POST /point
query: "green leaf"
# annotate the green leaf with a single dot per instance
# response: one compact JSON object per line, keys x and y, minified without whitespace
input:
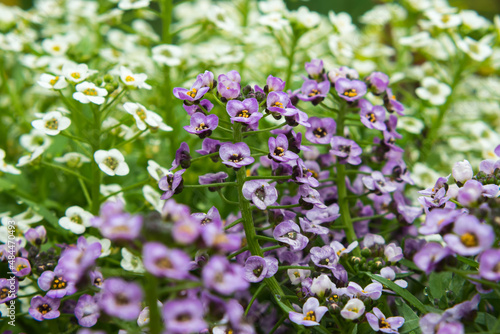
{"x":486,"y":319}
{"x":467,"y":261}
{"x":411,"y":299}
{"x":409,"y":264}
{"x":411,"y":318}
{"x":44,"y":212}
{"x":439,"y":283}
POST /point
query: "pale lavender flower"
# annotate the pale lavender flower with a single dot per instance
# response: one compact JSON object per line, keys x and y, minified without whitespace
{"x":470,"y":236}
{"x":182,"y":157}
{"x":229,"y":85}
{"x":171,"y":184}
{"x":313,"y":227}
{"x":313,"y":91}
{"x":378,"y":322}
{"x":121,"y":299}
{"x":350,"y":90}
{"x":196,"y":92}
{"x":378,"y":183}
{"x":289,"y":233}
{"x":346,"y":150}
{"x":372,"y":291}
{"x":391,"y":104}
{"x":278,"y":149}
{"x":378,"y":82}
{"x":211,"y":178}
{"x":311,"y":313}
{"x":164,"y":262}
{"x":87,"y":311}
{"x":261,"y":193}
{"x":274,"y":84}
{"x":437,"y":220}
{"x":324,"y":257}
{"x":277,"y":102}
{"x":372,"y":117}
{"x":204,"y":107}
{"x":430,"y":256}
{"x":354,"y":309}
{"x":315,"y":69}
{"x":184,"y":316}
{"x":258,"y":268}
{"x":44,"y":308}
{"x":235,"y":155}
{"x":393,"y":253}
{"x":36,"y":236}
{"x":224,"y":277}
{"x":22,"y":267}
{"x":489,"y":265}
{"x":246,"y":111}
{"x":321,"y":130}
{"x":55,"y":283}
{"x":6,"y":294}
{"x":202,"y":125}
{"x":209,"y":146}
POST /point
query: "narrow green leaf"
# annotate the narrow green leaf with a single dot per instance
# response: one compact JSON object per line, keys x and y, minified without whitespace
{"x":409,"y":264}
{"x":439,"y":283}
{"x":403,"y":293}
{"x":411,"y":318}
{"x":467,"y":261}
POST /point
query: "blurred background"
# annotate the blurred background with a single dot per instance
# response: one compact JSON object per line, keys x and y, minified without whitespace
{"x":487,"y":8}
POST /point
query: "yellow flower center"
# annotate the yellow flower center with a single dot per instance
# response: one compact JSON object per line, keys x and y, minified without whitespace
{"x":58,"y":283}
{"x":111,"y":162}
{"x":278,"y":104}
{"x":350,"y":92}
{"x":243,"y":113}
{"x":129,"y":78}
{"x":313,"y":92}
{"x":310,"y":316}
{"x":469,"y":240}
{"x":371,"y":117}
{"x":75,"y":75}
{"x":52,"y":124}
{"x":192,"y":92}
{"x":90,"y":91}
{"x":44,"y":309}
{"x":141,"y":113}
{"x":54,"y":81}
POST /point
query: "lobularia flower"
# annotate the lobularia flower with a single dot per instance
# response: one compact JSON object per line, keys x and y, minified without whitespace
{"x":235,"y":155}
{"x":372,"y":291}
{"x":347,"y":150}
{"x":313,"y":91}
{"x":433,"y":91}
{"x":87,"y":311}
{"x":353,"y":309}
{"x":289,"y":233}
{"x":36,"y":236}
{"x":210,"y":178}
{"x":184,"y":316}
{"x":52,"y":81}
{"x":205,"y":107}
{"x":121,"y":299}
{"x":322,"y":285}
{"x":342,"y":72}
{"x":87,"y":92}
{"x":6,"y":294}
{"x":164,"y":262}
{"x":324,"y":257}
{"x":156,"y":171}
{"x":278,"y":149}
{"x":379,"y":323}
{"x":22,"y":267}
{"x":393,"y":105}
{"x":167,"y":54}
{"x":261,"y":193}
{"x":111,"y":162}
{"x":277,"y":102}
{"x":44,"y":308}
{"x":462,"y":171}
{"x":470,"y":236}
{"x":209,"y":146}
{"x":171,"y":184}
{"x":7,"y":168}
{"x":76,"y":219}
{"x":473,"y":190}
{"x":340,"y":249}
{"x":75,"y":261}
{"x":246,"y":111}
{"x":430,"y":256}
{"x":378,"y":183}
{"x":73,"y":159}
{"x":56,"y":46}
{"x":489,"y":265}
{"x":315,"y":69}
{"x":131,"y":262}
{"x":144,"y":117}
{"x":378,"y":82}
{"x":372,"y":117}
{"x":477,"y":50}
{"x":350,"y":90}
{"x":55,"y":283}
{"x":137,"y":80}
{"x":202,"y":125}
{"x":133,"y":4}
{"x":298,"y":275}
{"x":76,"y":72}
{"x":393,"y":253}
{"x":390,"y":274}
{"x":115,"y":224}
{"x":224,"y":277}
{"x":52,"y":123}
{"x":311,"y":314}
{"x":257,"y":268}
{"x":182,"y":157}
{"x":229,"y":85}
{"x":443,"y":20}
{"x":275,"y":84}
{"x":321,"y":130}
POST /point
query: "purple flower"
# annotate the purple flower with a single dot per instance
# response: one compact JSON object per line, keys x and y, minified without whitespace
{"x":261,"y":193}
{"x":202,"y":125}
{"x":278,"y":149}
{"x":327,"y":215}
{"x":372,"y":291}
{"x":216,"y":237}
{"x":164,"y":262}
{"x":470,"y":236}
{"x":122,"y":227}
{"x":22,"y":267}
{"x":341,"y":250}
{"x":171,"y":184}
{"x":489,"y":265}
{"x":195,"y":93}
{"x":235,"y":155}
{"x":342,"y":72}
{"x":313,"y":227}
{"x":350,"y":90}
{"x":437,"y":219}
{"x":8,"y":289}
{"x":430,"y":256}
{"x":310,"y":196}
{"x":321,"y":130}
{"x":87,"y":311}
{"x":182,"y":157}
{"x":304,"y":175}
{"x":471,"y":192}
{"x":209,"y":146}
{"x":391,"y":104}
{"x":184,"y":316}
{"x":246,"y":111}
{"x":55,"y":283}
{"x":294,"y":117}
{"x":36,"y":236}
{"x":75,"y":261}
{"x":277,"y":102}
{"x":258,"y":268}
{"x":393,"y":253}
{"x":372,"y":117}
{"x":204,"y":107}
{"x":377,"y":183}
{"x":44,"y":308}
{"x":324,"y":257}
{"x":210,"y":178}
{"x":229,"y":85}
{"x":311,"y":313}
{"x":378,"y":82}
{"x":275,"y":84}
{"x":378,"y":322}
{"x":121,"y":299}
{"x":313,"y":91}
{"x":96,"y":278}
{"x":289,"y":233}
{"x":315,"y":69}
{"x":347,"y":150}
{"x":224,"y":277}
{"x":211,"y":216}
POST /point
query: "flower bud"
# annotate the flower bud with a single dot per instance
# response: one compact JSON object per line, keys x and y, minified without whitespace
{"x":462,"y":171}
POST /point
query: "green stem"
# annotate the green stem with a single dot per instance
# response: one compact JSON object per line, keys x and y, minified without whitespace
{"x":205,"y":156}
{"x":210,"y":185}
{"x":225,"y":199}
{"x":259,"y":289}
{"x":291,"y":56}
{"x":269,"y":177}
{"x":264,"y":238}
{"x":133,"y":186}
{"x":67,"y":170}
{"x":358,"y":219}
{"x":152,"y":302}
{"x":284,"y":206}
{"x":236,"y":222}
{"x":131,"y":139}
{"x":96,"y":172}
{"x":266,"y":249}
{"x":85,"y":192}
{"x":249,"y":133}
{"x":295,"y":267}
{"x":343,"y":201}
{"x":238,"y":252}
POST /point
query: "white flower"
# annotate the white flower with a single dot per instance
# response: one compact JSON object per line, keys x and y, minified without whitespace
{"x":390,"y":274}
{"x":153,"y":197}
{"x":6,"y":168}
{"x":87,"y":92}
{"x":434,"y":91}
{"x":57,"y":46}
{"x":135,"y":80}
{"x":462,"y":171}
{"x":342,"y":22}
{"x":76,"y":219}
{"x":111,"y":162}
{"x":443,"y":20}
{"x":52,"y":123}
{"x":167,"y":54}
{"x":25,"y":219}
{"x":477,"y":50}
{"x":306,"y":17}
{"x":108,"y":189}
{"x":156,"y":171}
{"x":105,"y":245}
{"x":321,"y":284}
{"x":298,"y":275}
{"x":340,"y":47}
{"x":130,"y":262}
{"x":27,"y":159}
{"x":272,"y":6}
{"x":76,"y":72}
{"x":52,"y":82}
{"x":133,"y":4}
{"x":411,"y":124}
{"x":145,"y":118}
{"x":273,"y":20}
{"x":35,"y":139}
{"x":474,"y":21}
{"x":73,"y":159}
{"x":418,"y":40}
{"x":353,"y":309}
